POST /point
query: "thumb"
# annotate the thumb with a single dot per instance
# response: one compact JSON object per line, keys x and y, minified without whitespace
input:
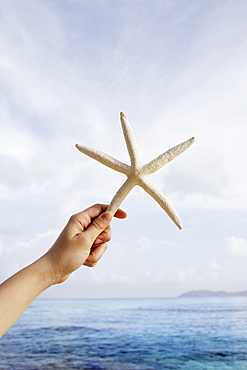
{"x":99,"y":225}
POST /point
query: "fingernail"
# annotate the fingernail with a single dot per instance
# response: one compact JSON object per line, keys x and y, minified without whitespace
{"x":99,"y":241}
{"x":106,"y":216}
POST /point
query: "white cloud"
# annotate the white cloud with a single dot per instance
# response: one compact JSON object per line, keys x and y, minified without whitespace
{"x":214,"y":265}
{"x":17,"y":144}
{"x":237,"y":247}
{"x":145,"y":244}
{"x":24,"y":251}
{"x":66,"y":82}
{"x":186,"y":275}
{"x":1,"y":247}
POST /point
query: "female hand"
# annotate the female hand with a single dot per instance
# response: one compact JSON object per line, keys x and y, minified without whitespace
{"x":82,"y":241}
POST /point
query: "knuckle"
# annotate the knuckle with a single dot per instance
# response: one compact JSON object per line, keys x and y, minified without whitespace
{"x":92,"y":263}
{"x":89,"y":263}
{"x":73,"y":218}
{"x":97,"y":224}
{"x":108,"y":237}
{"x":108,"y":233}
{"x":97,"y":206}
{"x":100,"y":207}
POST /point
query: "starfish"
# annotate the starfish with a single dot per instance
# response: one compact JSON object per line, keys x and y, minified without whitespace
{"x":136,"y":172}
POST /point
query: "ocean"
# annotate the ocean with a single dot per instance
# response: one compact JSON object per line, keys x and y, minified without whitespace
{"x":129,"y":334}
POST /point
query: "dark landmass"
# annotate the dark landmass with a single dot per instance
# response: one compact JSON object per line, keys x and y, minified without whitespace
{"x":210,"y":293}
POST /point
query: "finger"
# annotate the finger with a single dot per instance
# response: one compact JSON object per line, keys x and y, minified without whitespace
{"x":98,"y":226}
{"x":95,"y":255}
{"x":80,"y":221}
{"x":120,"y":214}
{"x":97,"y":209}
{"x":104,"y":237}
{"x":91,"y":213}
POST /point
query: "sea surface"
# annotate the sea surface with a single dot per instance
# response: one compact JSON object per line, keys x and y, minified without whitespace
{"x":129,"y":334}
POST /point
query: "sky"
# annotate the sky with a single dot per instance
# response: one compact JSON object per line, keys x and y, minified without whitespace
{"x":177,"y":69}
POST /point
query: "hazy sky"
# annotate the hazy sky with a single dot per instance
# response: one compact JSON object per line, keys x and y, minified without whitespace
{"x":177,"y":69}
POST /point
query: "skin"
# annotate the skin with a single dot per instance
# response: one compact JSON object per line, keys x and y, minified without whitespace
{"x":83,"y":241}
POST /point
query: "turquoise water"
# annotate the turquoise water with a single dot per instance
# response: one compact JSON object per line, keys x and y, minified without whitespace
{"x":126,"y":334}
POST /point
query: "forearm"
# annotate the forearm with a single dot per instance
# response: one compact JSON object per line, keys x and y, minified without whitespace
{"x":83,"y":241}
{"x":19,"y":291}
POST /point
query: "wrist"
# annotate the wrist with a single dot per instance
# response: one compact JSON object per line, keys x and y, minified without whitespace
{"x":45,"y":269}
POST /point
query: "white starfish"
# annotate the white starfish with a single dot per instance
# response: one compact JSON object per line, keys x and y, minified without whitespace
{"x":136,"y":173}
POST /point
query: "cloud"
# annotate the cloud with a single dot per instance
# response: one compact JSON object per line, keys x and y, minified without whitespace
{"x":186,"y":275}
{"x":24,"y":251}
{"x":237,"y":247}
{"x":18,"y":144}
{"x":145,"y":244}
{"x":1,"y":247}
{"x":214,"y":265}
{"x":177,"y":70}
{"x":199,"y":173}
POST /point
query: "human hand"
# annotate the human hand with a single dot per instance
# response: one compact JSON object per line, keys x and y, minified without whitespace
{"x":83,"y":241}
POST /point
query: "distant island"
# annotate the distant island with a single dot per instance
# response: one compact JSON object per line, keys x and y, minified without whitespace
{"x":210,"y":293}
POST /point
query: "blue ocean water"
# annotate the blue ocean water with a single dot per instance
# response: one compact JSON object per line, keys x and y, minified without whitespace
{"x":129,"y":334}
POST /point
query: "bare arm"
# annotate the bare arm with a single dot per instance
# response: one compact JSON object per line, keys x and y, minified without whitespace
{"x":82,"y":241}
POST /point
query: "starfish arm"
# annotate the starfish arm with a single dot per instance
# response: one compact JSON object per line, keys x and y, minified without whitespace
{"x":162,"y":200}
{"x":120,"y":195}
{"x":105,"y":159}
{"x":130,"y":141}
{"x":166,"y":157}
